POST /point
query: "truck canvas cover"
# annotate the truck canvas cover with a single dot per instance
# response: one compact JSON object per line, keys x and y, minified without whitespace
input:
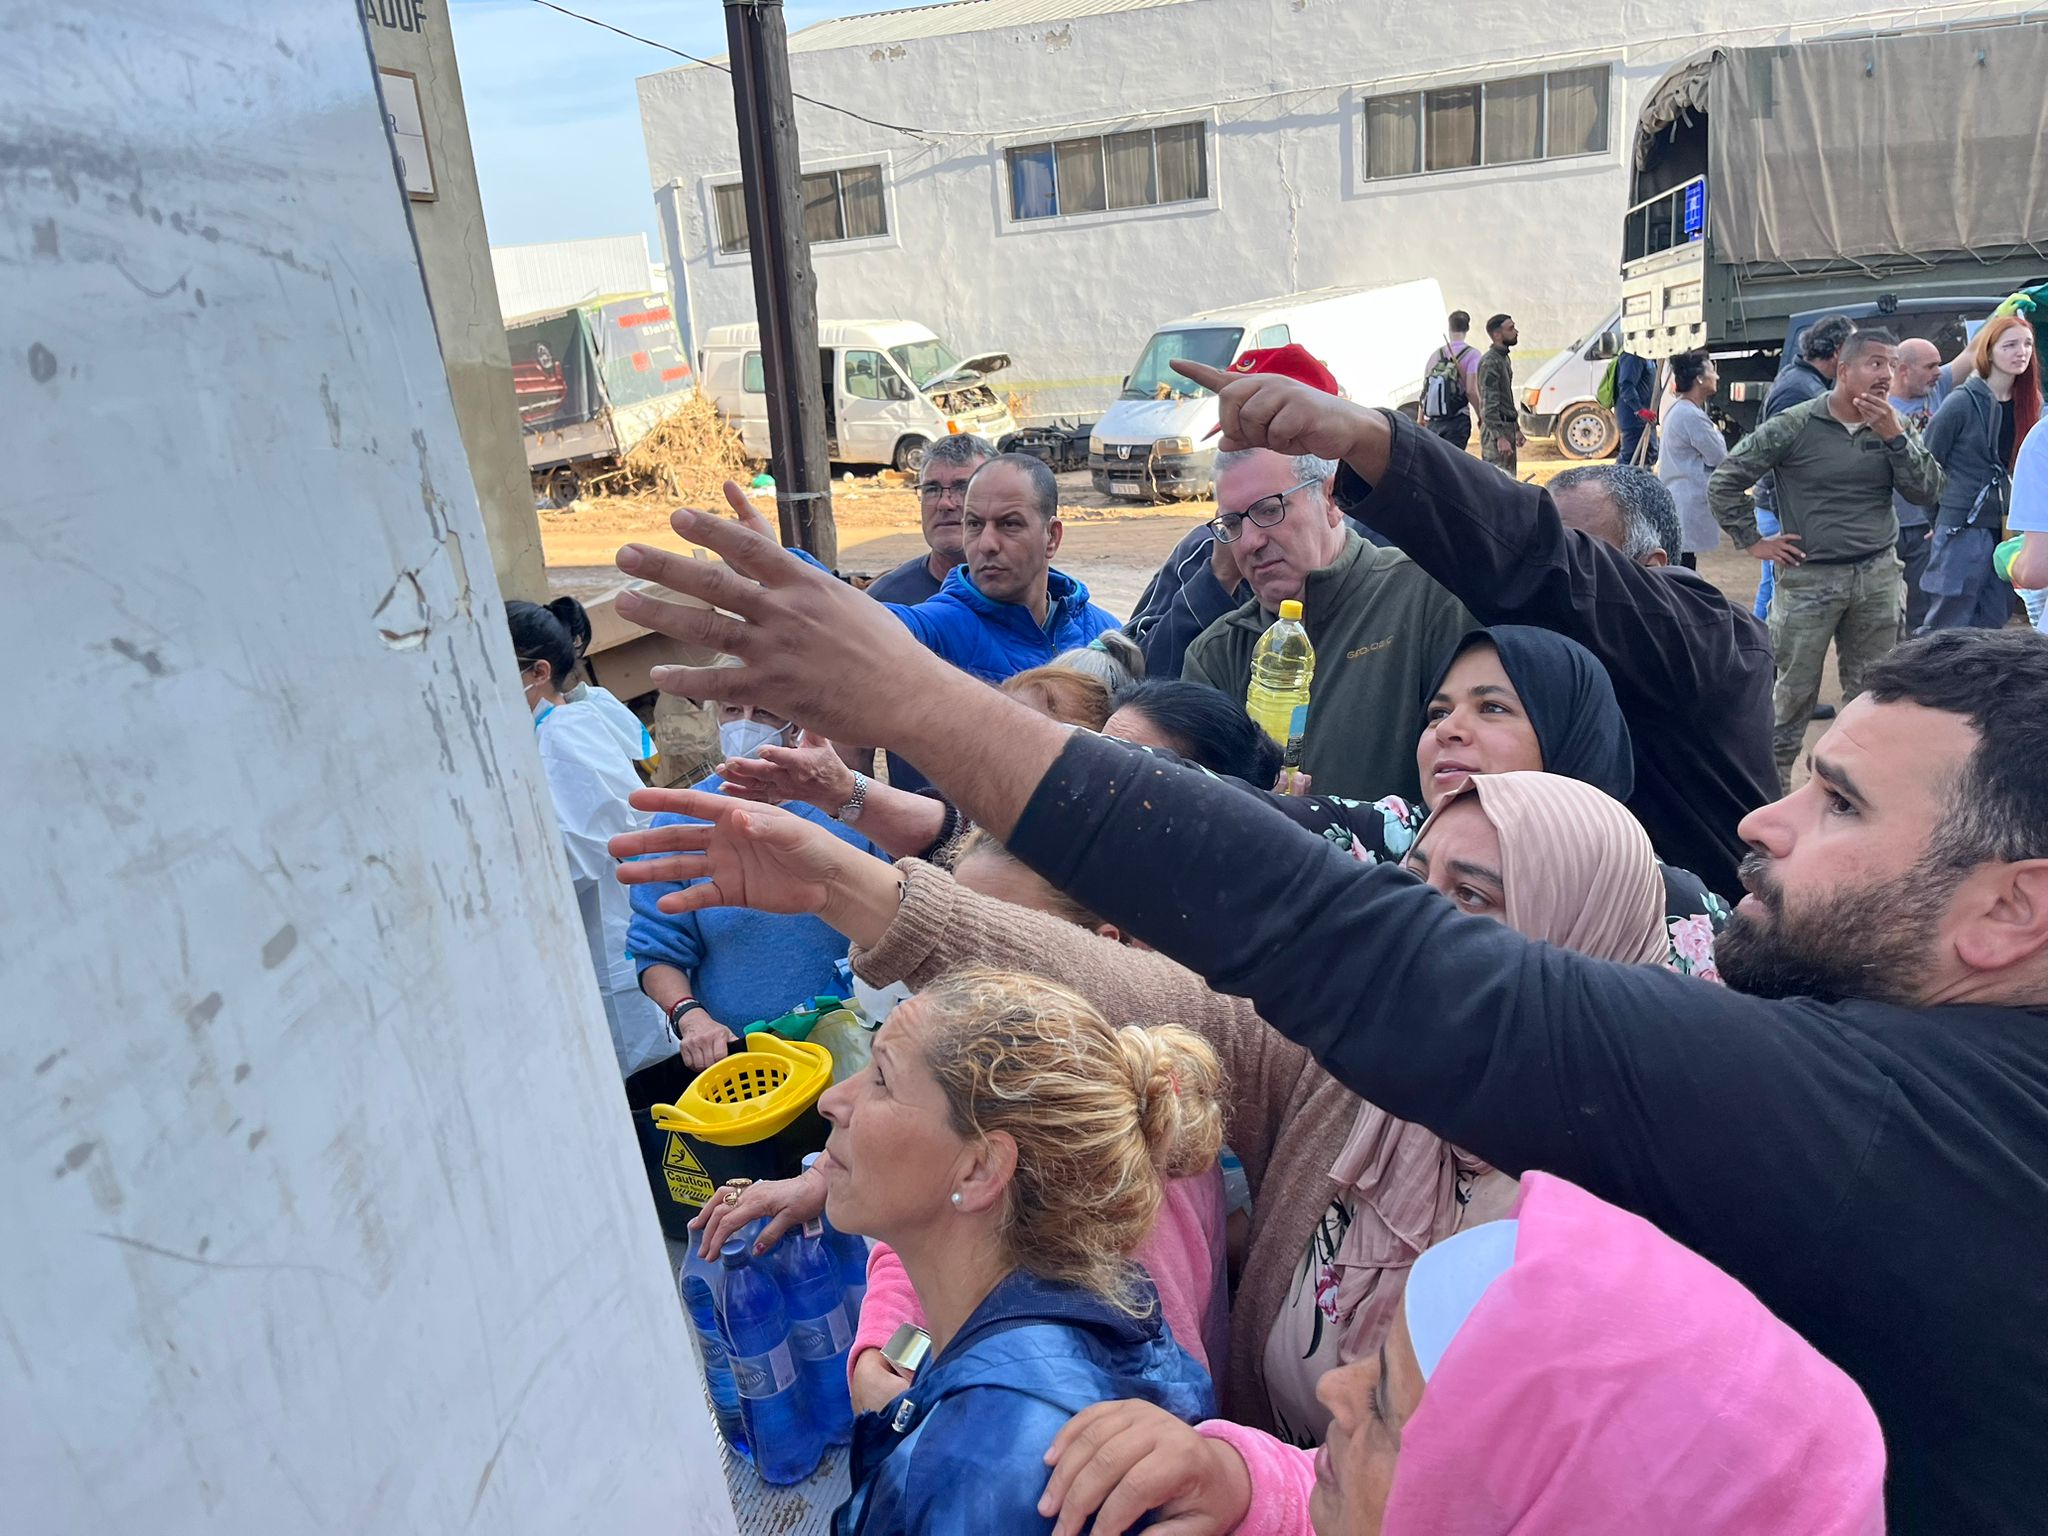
{"x":1917,"y":143}
{"x":617,"y":355}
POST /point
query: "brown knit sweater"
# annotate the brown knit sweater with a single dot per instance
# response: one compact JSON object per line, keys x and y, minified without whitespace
{"x":1287,"y":1118}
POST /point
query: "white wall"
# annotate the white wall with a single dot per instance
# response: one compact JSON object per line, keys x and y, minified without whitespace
{"x":320,"y":1205}
{"x":1073,"y":299}
{"x":558,"y":273}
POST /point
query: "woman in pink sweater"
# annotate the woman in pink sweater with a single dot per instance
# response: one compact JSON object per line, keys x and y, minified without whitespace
{"x":1567,"y":1372}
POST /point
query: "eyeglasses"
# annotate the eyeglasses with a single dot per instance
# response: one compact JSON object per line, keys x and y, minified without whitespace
{"x":936,"y":490}
{"x":1263,"y":513}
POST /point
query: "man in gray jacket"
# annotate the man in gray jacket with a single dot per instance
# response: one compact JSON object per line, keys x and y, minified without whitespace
{"x":1837,"y":460}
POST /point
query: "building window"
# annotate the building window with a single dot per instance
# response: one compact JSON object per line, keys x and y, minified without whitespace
{"x":731,"y":203}
{"x":837,"y":205}
{"x":1494,"y":122}
{"x":1142,"y":169}
{"x":1393,"y":136}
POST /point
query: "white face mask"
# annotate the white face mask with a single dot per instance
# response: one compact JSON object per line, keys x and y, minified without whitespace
{"x":745,"y":738}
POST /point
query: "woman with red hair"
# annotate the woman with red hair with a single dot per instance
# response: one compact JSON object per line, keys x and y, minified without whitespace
{"x":1975,"y":437}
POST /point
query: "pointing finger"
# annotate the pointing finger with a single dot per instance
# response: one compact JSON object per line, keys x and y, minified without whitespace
{"x":1211,"y":379}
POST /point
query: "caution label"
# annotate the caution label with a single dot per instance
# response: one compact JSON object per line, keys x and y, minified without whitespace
{"x":688,"y":1183}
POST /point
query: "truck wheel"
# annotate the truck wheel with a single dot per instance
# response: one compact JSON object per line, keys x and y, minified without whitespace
{"x":564,"y":486}
{"x":1587,"y":431}
{"x":910,"y":454}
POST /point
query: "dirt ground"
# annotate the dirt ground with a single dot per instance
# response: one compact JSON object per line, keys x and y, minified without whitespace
{"x":1114,"y":547}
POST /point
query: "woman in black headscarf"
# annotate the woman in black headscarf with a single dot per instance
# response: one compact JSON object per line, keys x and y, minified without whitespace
{"x":1508,"y":699}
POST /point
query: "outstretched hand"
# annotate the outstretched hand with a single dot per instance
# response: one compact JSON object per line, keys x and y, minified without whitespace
{"x":811,"y":647}
{"x":810,"y":771}
{"x":756,"y":856}
{"x":1269,"y":410}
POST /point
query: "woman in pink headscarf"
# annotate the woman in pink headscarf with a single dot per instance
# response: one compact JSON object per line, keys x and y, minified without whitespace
{"x":1552,"y":858}
{"x":1567,"y":1372}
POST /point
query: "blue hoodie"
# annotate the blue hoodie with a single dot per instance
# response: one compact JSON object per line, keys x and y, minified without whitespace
{"x":996,"y":641}
{"x":742,"y":965}
{"x":962,"y":1452}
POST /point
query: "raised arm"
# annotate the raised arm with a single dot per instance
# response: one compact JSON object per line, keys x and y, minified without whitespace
{"x":1641,"y":1085}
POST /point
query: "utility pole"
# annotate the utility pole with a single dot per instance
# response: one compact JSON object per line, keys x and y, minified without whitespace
{"x":785,"y":283}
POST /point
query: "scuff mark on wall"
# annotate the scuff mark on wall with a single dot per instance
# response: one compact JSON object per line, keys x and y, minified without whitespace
{"x":1059,"y":38}
{"x":149,"y":661}
{"x":401,"y":618}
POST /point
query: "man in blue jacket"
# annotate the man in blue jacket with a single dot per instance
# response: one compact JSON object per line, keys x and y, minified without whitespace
{"x":1006,"y":609}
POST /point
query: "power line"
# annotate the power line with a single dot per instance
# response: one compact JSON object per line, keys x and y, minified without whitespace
{"x":922,"y":135}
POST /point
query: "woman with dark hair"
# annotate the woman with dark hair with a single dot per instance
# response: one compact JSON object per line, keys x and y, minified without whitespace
{"x":1693,"y":446}
{"x":590,"y":775}
{"x":1975,"y":437}
{"x":1195,"y":721}
{"x":1514,"y":699}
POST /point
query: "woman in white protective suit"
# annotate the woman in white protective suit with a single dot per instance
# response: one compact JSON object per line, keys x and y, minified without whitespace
{"x":588,"y":757}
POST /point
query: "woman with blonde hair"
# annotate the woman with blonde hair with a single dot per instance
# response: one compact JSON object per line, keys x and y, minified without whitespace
{"x":1345,"y":1197}
{"x":1011,"y":1146}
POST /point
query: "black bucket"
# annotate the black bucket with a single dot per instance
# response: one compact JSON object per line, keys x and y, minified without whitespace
{"x":682,"y":1170}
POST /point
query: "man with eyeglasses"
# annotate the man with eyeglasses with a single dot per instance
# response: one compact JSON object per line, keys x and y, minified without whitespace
{"x":1381,"y":627}
{"x":1200,"y":582}
{"x":941,"y":493}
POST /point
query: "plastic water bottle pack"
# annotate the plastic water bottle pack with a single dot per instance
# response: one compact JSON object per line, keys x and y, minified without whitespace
{"x":820,"y":1331}
{"x":780,"y":1428}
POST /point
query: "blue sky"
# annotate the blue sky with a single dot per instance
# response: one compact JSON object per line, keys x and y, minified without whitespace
{"x":553,"y":115}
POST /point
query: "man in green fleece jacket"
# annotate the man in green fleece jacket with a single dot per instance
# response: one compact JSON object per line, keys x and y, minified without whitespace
{"x":1837,"y":460}
{"x":1381,"y":627}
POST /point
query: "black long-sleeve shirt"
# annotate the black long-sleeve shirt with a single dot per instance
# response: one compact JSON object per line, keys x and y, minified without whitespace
{"x":1877,"y":1175}
{"x":1692,"y":671}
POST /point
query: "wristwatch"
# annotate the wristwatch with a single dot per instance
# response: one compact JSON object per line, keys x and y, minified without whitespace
{"x":682,"y":1007}
{"x":1893,"y":442}
{"x":857,"y":802}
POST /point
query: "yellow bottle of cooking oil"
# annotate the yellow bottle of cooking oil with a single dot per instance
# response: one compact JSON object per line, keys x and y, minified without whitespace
{"x":1283,"y":667}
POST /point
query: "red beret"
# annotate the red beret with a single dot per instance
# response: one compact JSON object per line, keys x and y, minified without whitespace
{"x":1293,"y":361}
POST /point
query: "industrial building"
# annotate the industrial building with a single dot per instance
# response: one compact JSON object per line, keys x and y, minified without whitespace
{"x":1053,"y":178}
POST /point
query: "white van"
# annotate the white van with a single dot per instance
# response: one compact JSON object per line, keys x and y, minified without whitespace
{"x":1560,"y":402}
{"x":891,"y":388}
{"x":1153,"y":443}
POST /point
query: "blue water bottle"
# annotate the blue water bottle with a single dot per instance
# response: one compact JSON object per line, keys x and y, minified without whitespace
{"x":850,"y":1253}
{"x":779,"y":1431}
{"x":702,"y":1284}
{"x":819,"y":1332}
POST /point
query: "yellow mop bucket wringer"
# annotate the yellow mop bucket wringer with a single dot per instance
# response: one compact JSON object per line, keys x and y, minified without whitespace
{"x":753,"y":1115}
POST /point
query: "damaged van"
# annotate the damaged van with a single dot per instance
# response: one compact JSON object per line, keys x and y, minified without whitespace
{"x":892,"y":388}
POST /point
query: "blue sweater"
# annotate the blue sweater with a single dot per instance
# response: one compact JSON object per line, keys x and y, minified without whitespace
{"x":743,"y":965}
{"x":962,"y":1453}
{"x":996,"y":640}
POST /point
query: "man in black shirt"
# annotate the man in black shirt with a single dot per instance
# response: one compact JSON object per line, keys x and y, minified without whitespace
{"x":1864,"y":1143}
{"x":1586,"y":558}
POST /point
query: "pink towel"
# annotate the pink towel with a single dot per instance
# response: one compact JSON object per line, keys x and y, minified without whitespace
{"x":1184,"y":1256}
